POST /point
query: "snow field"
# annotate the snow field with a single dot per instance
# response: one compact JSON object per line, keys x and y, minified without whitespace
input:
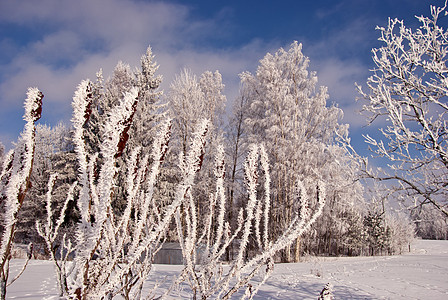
{"x":421,"y":274}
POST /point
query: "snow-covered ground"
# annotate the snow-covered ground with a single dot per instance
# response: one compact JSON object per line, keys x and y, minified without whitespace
{"x":421,"y":274}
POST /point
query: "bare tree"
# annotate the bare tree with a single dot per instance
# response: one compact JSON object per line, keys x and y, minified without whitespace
{"x":408,"y":94}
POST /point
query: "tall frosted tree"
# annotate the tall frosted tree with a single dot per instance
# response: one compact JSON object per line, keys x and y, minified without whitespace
{"x":106,"y":94}
{"x":190,"y":100}
{"x":290,"y":115}
{"x":149,"y":109}
{"x":236,"y":149}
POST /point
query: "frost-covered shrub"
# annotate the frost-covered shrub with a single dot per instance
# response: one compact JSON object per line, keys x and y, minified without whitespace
{"x":207,"y":275}
{"x":112,"y":254}
{"x":53,"y":153}
{"x":15,"y":181}
{"x":326,"y":293}
{"x":402,"y":232}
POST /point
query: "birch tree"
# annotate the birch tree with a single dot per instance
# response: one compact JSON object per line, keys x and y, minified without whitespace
{"x":290,"y":115}
{"x":407,"y":96}
{"x":235,"y":150}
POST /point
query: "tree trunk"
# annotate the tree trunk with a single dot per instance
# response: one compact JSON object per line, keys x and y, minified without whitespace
{"x":3,"y":289}
{"x":297,"y":256}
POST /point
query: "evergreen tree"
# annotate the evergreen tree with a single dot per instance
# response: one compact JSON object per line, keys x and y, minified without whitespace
{"x":377,"y":233}
{"x":51,"y":155}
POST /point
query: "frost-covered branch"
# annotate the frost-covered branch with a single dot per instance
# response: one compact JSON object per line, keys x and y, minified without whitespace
{"x":204,"y":268}
{"x":408,"y":89}
{"x":113,"y":254}
{"x":49,"y":232}
{"x":16,"y":180}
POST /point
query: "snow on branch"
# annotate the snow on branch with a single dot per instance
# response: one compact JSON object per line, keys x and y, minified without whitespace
{"x":114,"y":254}
{"x":203,"y":253}
{"x":408,"y":92}
{"x":16,"y":179}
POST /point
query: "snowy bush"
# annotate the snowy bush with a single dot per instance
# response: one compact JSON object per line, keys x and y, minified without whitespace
{"x":15,"y":181}
{"x":209,"y":277}
{"x":113,"y":253}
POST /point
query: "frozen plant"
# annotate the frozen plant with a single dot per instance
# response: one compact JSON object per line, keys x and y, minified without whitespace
{"x":113,"y":254}
{"x":59,"y":250}
{"x":15,"y":181}
{"x":326,"y":293}
{"x":203,"y":250}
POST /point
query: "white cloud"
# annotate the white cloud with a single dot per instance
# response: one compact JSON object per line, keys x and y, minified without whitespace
{"x":79,"y":37}
{"x":340,"y":76}
{"x":336,"y":59}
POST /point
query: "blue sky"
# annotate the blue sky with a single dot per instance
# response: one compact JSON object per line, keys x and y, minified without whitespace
{"x":55,"y":44}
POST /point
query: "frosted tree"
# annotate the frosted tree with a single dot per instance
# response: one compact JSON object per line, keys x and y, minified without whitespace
{"x":378,"y":234}
{"x":430,"y":223}
{"x":15,"y":181}
{"x":402,"y":232}
{"x":150,"y":110}
{"x":288,"y":113}
{"x":235,"y":150}
{"x":338,"y":231}
{"x":190,"y":100}
{"x":212,"y":87}
{"x":115,"y":87}
{"x":407,"y":95}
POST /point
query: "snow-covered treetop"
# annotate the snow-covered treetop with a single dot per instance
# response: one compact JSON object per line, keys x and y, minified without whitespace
{"x":33,"y":105}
